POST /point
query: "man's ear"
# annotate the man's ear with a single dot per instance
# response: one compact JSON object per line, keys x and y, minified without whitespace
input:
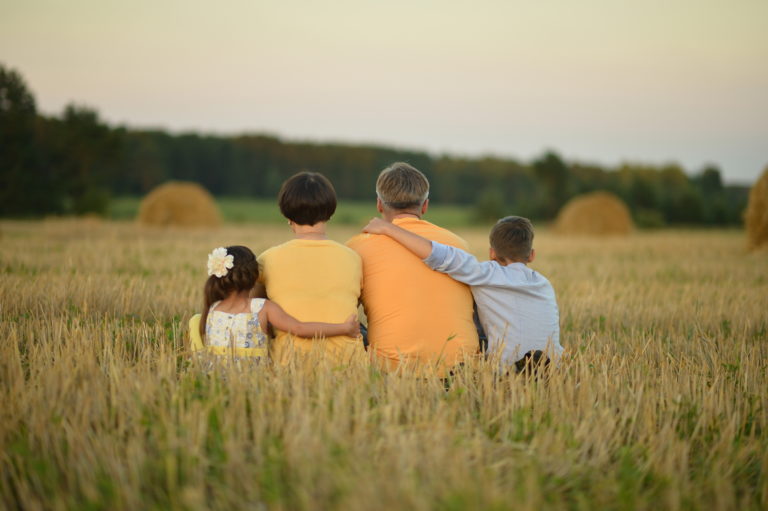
{"x":532,"y":256}
{"x":379,"y":205}
{"x":424,"y":206}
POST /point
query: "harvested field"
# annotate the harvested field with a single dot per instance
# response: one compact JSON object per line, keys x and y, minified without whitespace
{"x":662,"y":402}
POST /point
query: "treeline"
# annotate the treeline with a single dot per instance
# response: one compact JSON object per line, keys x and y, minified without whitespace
{"x":74,"y":163}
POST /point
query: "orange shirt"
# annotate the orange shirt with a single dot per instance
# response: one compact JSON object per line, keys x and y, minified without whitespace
{"x":414,"y":313}
{"x":312,"y":280}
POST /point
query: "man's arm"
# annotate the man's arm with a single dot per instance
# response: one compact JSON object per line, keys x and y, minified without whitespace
{"x":457,"y":263}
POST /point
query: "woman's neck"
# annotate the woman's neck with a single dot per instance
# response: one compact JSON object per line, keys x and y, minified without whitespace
{"x":309,"y":232}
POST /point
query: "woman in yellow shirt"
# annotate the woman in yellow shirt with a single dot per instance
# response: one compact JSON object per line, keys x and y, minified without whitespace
{"x":311,"y":277}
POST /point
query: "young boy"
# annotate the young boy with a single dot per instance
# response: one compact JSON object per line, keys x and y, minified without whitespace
{"x":516,"y":305}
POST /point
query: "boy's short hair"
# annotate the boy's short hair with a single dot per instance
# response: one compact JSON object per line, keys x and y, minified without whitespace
{"x":307,"y":198}
{"x":401,"y":186}
{"x":512,"y":238}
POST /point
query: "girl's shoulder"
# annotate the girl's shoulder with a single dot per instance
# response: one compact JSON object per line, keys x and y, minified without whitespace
{"x":257,"y":304}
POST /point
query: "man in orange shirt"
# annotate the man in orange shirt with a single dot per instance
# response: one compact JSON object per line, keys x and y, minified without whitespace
{"x":415,"y":315}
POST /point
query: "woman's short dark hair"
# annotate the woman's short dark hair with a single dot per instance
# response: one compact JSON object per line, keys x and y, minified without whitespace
{"x":307,"y":198}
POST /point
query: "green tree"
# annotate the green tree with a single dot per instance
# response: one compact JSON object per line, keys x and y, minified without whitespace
{"x":83,"y":154}
{"x":709,"y":181}
{"x":490,"y":205}
{"x":27,"y":186}
{"x":553,"y":174}
{"x":710,"y":186}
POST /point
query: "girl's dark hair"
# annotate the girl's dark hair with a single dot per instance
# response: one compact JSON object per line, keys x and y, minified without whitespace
{"x":241,"y":277}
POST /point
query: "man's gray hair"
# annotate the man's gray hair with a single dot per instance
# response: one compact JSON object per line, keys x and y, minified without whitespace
{"x":401,"y":186}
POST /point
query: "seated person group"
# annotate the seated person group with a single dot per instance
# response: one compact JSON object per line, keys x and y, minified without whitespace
{"x":417,"y":283}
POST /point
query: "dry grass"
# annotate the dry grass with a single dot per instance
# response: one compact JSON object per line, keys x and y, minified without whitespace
{"x":663,"y":402}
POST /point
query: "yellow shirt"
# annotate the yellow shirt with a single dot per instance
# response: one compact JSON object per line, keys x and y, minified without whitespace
{"x":313,"y":280}
{"x":413,"y":312}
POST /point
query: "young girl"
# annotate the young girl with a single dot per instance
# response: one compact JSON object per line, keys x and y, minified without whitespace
{"x":232,"y":323}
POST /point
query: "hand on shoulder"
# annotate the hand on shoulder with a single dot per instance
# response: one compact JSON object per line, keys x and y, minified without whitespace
{"x":377,"y":226}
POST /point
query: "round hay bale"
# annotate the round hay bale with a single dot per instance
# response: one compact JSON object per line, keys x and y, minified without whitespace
{"x":756,"y":216}
{"x":178,"y":203}
{"x":594,"y":214}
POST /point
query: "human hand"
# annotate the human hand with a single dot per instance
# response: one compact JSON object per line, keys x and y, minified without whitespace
{"x":376,"y":226}
{"x":353,"y":326}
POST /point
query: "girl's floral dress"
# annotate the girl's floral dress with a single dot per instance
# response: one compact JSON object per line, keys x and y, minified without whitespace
{"x":238,"y":336}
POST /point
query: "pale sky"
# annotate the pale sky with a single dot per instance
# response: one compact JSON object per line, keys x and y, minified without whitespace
{"x":598,"y":81}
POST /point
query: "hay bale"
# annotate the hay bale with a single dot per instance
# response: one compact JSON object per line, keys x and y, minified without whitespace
{"x":594,"y":214}
{"x":756,"y":216}
{"x":179,"y":203}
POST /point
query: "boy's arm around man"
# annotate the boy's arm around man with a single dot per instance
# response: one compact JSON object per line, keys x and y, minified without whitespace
{"x":457,"y":263}
{"x":465,"y":267}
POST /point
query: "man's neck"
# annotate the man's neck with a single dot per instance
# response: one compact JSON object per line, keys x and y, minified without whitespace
{"x":390,"y":216}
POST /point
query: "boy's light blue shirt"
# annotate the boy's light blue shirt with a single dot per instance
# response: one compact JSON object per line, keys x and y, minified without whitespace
{"x":516,"y":305}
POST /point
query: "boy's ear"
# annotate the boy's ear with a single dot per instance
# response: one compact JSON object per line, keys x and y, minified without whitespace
{"x":379,"y":205}
{"x":532,"y":256}
{"x":492,"y":254}
{"x":425,"y":206}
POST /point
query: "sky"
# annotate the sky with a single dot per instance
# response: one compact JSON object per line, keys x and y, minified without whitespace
{"x":598,"y":81}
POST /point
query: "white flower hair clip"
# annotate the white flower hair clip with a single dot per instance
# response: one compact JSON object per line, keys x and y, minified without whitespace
{"x":219,"y":262}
